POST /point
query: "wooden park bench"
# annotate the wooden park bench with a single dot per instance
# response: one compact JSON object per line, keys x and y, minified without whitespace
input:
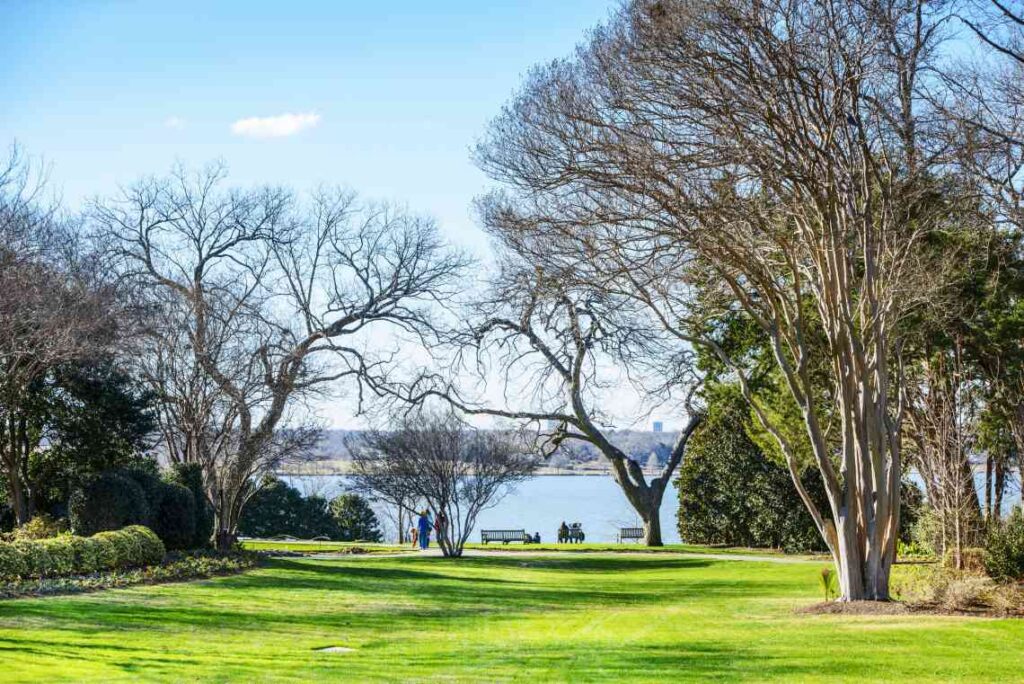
{"x":631,"y":533}
{"x":505,"y":536}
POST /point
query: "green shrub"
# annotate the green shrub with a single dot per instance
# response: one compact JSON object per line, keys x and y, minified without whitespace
{"x":190,"y":476}
{"x":829,"y":582}
{"x":153,"y":489}
{"x":64,"y":555}
{"x":36,"y":555}
{"x":86,"y":553}
{"x":42,"y":526}
{"x":355,"y":519}
{"x":278,"y":508}
{"x":731,"y":493}
{"x":108,"y":501}
{"x":1004,"y":549}
{"x":149,"y":548}
{"x":106,"y":552}
{"x":175,"y":517}
{"x":60,"y":556}
{"x":127,"y":550}
{"x":12,"y":562}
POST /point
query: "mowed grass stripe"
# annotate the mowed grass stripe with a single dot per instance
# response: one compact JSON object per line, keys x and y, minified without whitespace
{"x":550,"y":618}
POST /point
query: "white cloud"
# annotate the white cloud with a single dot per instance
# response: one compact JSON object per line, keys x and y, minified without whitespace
{"x":274,"y":126}
{"x":174,"y":122}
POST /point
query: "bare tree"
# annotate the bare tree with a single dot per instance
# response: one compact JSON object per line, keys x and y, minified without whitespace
{"x":772,"y":158}
{"x":53,"y":311}
{"x":458,"y":472}
{"x":271,"y":301}
{"x":941,"y":421}
{"x":550,"y":343}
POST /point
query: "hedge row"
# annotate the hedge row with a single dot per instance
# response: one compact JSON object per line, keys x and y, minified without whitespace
{"x":131,"y":547}
{"x":175,"y":568}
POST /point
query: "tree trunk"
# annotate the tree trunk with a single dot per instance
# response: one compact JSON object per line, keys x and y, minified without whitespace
{"x":652,"y":524}
{"x":997,"y":511}
{"x":988,"y":486}
{"x":19,"y":498}
{"x":225,"y":540}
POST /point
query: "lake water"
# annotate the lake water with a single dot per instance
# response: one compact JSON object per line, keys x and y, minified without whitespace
{"x":541,"y":503}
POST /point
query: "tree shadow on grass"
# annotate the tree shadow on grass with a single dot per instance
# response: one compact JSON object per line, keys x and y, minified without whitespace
{"x":298,"y":593}
{"x":575,"y":662}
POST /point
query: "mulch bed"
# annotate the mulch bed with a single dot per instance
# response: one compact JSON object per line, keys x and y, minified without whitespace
{"x":901,"y":608}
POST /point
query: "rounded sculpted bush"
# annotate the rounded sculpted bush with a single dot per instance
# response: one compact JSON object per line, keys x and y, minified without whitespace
{"x":87,"y":554}
{"x":190,"y":476}
{"x":106,"y":552}
{"x":60,"y":556}
{"x":132,"y":547}
{"x":12,"y":562}
{"x":174,"y":520}
{"x":109,"y":501}
{"x":127,"y":550}
{"x":150,"y":548}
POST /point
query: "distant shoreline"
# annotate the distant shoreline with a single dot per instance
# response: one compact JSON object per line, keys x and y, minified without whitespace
{"x":542,"y":472}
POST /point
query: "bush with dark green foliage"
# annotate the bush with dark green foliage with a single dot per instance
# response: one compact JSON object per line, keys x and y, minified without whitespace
{"x":129,"y":496}
{"x":131,"y":547}
{"x":96,"y":418}
{"x":731,"y":493}
{"x":148,"y":479}
{"x":190,"y":476}
{"x":1004,"y":549}
{"x":279,"y":509}
{"x":174,"y":520}
{"x":108,"y":501}
{"x":7,"y":520}
{"x":355,"y":519}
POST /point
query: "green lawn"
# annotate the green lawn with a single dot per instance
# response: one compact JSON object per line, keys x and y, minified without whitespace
{"x":319,"y":546}
{"x":552,"y":618}
{"x":629,"y":547}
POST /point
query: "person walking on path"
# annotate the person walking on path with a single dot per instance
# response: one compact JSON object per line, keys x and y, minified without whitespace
{"x":424,"y":524}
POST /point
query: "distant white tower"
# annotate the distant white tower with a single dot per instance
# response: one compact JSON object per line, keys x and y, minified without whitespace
{"x":658,"y":426}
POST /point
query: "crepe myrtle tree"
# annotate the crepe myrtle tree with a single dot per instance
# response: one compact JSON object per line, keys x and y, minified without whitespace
{"x":772,"y":158}
{"x":253,"y":300}
{"x":555,"y":348}
{"x":435,"y":459}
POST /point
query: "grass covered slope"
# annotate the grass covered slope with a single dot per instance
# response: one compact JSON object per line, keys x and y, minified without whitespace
{"x":561,"y":618}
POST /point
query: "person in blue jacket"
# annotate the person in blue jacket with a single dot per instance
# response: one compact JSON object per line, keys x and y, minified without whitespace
{"x":425,"y":524}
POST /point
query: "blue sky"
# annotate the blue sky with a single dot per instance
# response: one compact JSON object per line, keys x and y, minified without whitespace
{"x":106,"y":92}
{"x":384,"y":98}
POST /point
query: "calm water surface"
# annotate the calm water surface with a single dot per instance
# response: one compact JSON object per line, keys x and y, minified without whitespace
{"x":541,"y":503}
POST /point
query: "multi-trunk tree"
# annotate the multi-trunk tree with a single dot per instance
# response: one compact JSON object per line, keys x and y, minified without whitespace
{"x":773,"y":158}
{"x":436,"y":460}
